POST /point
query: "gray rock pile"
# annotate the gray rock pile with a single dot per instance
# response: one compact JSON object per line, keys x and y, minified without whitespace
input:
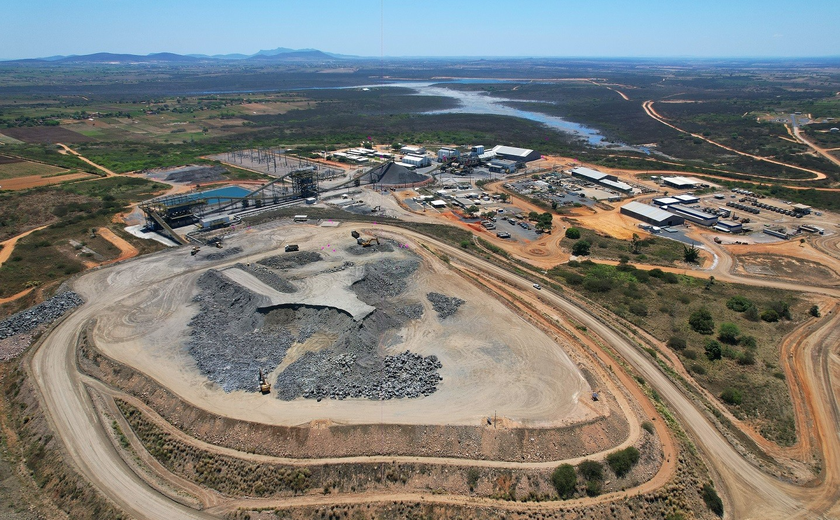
{"x":268,"y":277}
{"x":384,"y":246}
{"x":224,"y":253}
{"x":341,"y":376}
{"x":228,"y":339}
{"x":383,"y":280}
{"x":445,"y":306}
{"x":291,"y":260}
{"x":44,"y":313}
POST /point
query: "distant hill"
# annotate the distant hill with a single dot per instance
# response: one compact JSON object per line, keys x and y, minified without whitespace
{"x":280,"y":54}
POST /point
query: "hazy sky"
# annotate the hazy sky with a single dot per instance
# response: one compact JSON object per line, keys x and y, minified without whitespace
{"x":710,"y":28}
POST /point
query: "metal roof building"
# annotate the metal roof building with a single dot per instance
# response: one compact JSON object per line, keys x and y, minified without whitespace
{"x":650,"y":214}
{"x":681,"y":183}
{"x":687,"y":199}
{"x":665,"y":201}
{"x":694,"y":215}
{"x":516,"y":154}
{"x":728,"y":226}
{"x":590,"y":174}
{"x":617,"y":185}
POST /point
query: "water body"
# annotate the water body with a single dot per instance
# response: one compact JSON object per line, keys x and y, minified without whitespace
{"x":473,"y":102}
{"x":220,"y":195}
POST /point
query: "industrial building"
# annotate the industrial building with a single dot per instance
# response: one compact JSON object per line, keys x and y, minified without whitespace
{"x":681,"y":183}
{"x":650,"y":214}
{"x":609,"y":181}
{"x":694,"y":215}
{"x":687,"y":199}
{"x":448,"y":154}
{"x":520,"y":155}
{"x":416,"y":160}
{"x":412,"y":150}
{"x":665,"y":201}
{"x":502,"y":166}
{"x":728,"y":226}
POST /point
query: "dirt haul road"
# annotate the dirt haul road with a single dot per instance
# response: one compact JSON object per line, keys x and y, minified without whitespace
{"x":753,"y":494}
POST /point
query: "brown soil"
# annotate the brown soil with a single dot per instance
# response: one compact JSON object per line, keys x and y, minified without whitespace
{"x":46,"y":135}
{"x":33,"y":181}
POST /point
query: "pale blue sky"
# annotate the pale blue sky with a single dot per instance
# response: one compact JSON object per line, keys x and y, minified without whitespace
{"x":610,"y":28}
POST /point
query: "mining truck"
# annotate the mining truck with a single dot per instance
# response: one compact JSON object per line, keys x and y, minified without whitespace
{"x":265,"y":386}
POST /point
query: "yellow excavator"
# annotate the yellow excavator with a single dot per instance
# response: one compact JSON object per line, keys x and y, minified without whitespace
{"x":364,"y":242}
{"x":265,"y":386}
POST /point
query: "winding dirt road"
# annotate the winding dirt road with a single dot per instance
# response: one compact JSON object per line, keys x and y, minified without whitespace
{"x":818,"y":176}
{"x":750,"y":492}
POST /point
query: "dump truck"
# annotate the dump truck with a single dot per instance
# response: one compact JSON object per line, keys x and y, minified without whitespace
{"x":265,"y":386}
{"x":195,"y":250}
{"x":291,"y":248}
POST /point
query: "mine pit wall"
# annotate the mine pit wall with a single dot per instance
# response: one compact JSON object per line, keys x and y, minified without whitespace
{"x":467,"y":442}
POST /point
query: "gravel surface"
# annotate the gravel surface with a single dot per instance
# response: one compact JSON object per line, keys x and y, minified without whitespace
{"x":45,"y":312}
{"x":385,"y":246}
{"x":224,"y":253}
{"x":192,"y":174}
{"x":445,"y":306}
{"x":412,"y":311}
{"x":227,"y":339}
{"x":268,"y":277}
{"x":291,"y":260}
{"x":383,"y":280}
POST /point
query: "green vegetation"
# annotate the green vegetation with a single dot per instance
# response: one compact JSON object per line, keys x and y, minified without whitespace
{"x":729,"y":333}
{"x":815,"y":311}
{"x":592,"y":473}
{"x":573,"y":233}
{"x":738,"y":304}
{"x":712,"y":500}
{"x":670,"y":300}
{"x":653,"y":250}
{"x":701,"y":321}
{"x":622,"y":461}
{"x":581,"y":248}
{"x":564,"y":479}
{"x":713,"y":350}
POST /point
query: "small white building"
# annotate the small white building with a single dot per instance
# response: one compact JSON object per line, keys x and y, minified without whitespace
{"x":416,"y":160}
{"x":412,"y":150}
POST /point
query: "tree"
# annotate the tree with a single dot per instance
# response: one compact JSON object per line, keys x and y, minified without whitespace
{"x":581,"y":248}
{"x":701,"y":321}
{"x":691,"y":254}
{"x":544,"y":221}
{"x":564,"y":479}
{"x":573,"y":233}
{"x":729,"y":333}
{"x":472,"y":210}
{"x":752,"y":313}
{"x":591,"y":470}
{"x":738,"y":303}
{"x":815,"y":311}
{"x":533,"y":216}
{"x":770,"y":316}
{"x":504,"y":197}
{"x":636,"y":244}
{"x":676,"y":343}
{"x":713,"y":350}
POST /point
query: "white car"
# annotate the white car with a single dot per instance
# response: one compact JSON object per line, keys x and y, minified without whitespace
{"x":537,"y":286}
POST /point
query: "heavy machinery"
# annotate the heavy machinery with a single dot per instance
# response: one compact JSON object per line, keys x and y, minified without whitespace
{"x":364,"y":242}
{"x":195,"y":250}
{"x":291,"y":248}
{"x":718,"y":240}
{"x":265,"y":386}
{"x":215,"y":241}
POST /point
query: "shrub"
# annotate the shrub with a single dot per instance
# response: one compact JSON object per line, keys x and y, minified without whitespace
{"x":657,"y":273}
{"x":647,"y":426}
{"x":752,"y":313}
{"x":781,"y":308}
{"x":597,"y":284}
{"x":731,"y":396}
{"x":573,"y":233}
{"x":593,"y":488}
{"x":639,"y":309}
{"x":690,"y":353}
{"x":591,"y":470}
{"x":729,"y":333}
{"x":622,"y":461}
{"x":698,"y":369}
{"x":581,"y":248}
{"x":564,"y":479}
{"x":701,"y":321}
{"x":713,"y":350}
{"x":746,"y":358}
{"x":676,"y":343}
{"x":814,"y":311}
{"x":748,"y":342}
{"x":739,"y":303}
{"x":770,"y":316}
{"x":712,"y":500}
{"x":671,"y":278}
